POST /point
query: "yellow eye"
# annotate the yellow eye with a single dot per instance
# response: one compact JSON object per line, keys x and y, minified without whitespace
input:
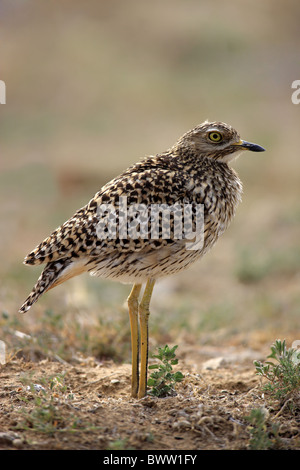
{"x":215,"y":136}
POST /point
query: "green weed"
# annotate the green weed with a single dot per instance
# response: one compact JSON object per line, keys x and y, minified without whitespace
{"x":259,"y":436}
{"x":46,"y":403}
{"x":283,"y":375}
{"x":163,"y":380}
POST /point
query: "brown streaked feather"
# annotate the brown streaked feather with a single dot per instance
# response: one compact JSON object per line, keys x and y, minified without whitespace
{"x":54,"y":273}
{"x":192,"y":170}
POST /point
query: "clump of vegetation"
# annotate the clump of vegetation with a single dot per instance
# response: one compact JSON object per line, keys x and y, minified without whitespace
{"x":283,"y":375}
{"x":163,"y":379}
{"x":47,"y":413}
{"x":118,"y":444}
{"x":259,"y":439}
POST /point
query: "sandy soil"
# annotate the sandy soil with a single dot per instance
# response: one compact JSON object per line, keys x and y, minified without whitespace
{"x":87,"y":405}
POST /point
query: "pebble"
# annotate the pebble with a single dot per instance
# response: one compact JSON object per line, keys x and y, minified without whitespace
{"x":8,"y":437}
{"x":37,"y":387}
{"x":214,"y":363}
{"x":18,"y":443}
{"x":182,"y":423}
{"x":115,"y":381}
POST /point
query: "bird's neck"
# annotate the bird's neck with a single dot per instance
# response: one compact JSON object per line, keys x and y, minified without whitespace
{"x":187,"y":154}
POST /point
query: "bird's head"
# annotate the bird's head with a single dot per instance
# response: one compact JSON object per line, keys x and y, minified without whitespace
{"x":216,"y":140}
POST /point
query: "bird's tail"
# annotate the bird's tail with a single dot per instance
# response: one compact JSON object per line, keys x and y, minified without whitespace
{"x":50,"y":277}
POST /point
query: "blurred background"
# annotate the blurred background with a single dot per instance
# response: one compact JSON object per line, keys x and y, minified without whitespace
{"x":91,"y":87}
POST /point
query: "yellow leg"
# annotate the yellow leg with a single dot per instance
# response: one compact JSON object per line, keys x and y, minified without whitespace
{"x":144,"y":316}
{"x":133,"y":300}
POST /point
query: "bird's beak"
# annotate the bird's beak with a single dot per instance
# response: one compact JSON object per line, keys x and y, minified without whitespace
{"x":249,"y":146}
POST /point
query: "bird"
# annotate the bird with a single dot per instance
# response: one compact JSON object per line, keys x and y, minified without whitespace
{"x":123,"y":234}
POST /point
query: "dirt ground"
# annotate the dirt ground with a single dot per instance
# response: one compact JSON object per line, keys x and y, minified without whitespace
{"x":87,"y":405}
{"x":121,"y":80}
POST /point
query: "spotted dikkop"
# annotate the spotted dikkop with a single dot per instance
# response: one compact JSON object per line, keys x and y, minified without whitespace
{"x":194,"y":173}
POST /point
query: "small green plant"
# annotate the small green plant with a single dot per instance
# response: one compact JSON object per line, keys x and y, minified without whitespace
{"x":45,"y":406}
{"x":259,"y":439}
{"x":163,"y":379}
{"x":119,"y":444}
{"x":283,"y":375}
{"x":45,"y":416}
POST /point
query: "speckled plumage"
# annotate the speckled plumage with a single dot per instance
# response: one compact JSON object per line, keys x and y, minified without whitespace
{"x":195,"y":171}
